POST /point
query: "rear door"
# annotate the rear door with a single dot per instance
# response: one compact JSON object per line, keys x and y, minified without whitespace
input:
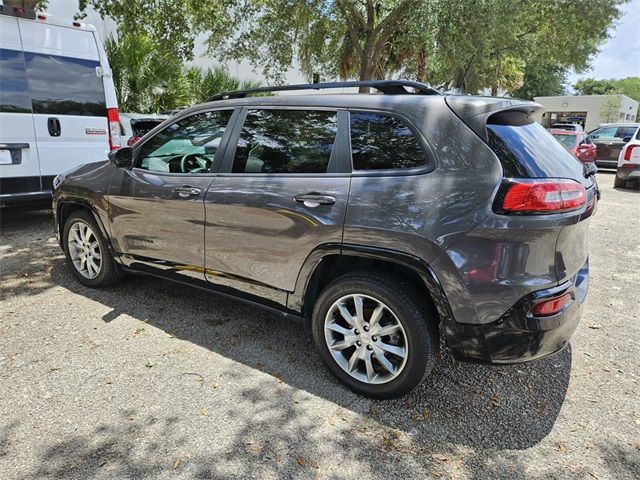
{"x":19,"y":167}
{"x":70,"y":111}
{"x":282,"y":192}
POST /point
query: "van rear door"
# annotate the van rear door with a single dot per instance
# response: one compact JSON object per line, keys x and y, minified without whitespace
{"x":19,"y":168}
{"x":69,"y":107}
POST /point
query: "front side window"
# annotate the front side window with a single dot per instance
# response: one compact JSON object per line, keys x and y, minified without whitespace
{"x":14,"y":95}
{"x":65,"y":86}
{"x":286,"y":141}
{"x":604,"y":132}
{"x":380,"y":141}
{"x":186,"y":146}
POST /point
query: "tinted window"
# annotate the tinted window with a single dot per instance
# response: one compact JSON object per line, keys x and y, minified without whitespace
{"x":567,"y":141}
{"x":286,"y":141}
{"x":187,"y":146}
{"x":381,"y":141}
{"x":14,"y":95}
{"x":625,"y":132}
{"x":530,"y":151}
{"x":64,"y":85}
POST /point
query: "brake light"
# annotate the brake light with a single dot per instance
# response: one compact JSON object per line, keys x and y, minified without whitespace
{"x":628,"y":152}
{"x":544,"y":196}
{"x":113,"y":117}
{"x":133,"y":140}
{"x":551,"y":306}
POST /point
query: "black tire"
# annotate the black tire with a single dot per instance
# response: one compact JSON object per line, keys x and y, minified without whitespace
{"x":619,"y":183}
{"x":109,"y":272}
{"x":416,"y":315}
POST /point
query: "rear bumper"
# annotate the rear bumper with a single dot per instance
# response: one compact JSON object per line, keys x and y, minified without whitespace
{"x":517,"y":336}
{"x":628,"y":173}
{"x":606,"y":163}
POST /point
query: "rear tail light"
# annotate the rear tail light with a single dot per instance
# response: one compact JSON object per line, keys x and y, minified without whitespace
{"x":113,"y":117}
{"x":133,"y":140}
{"x":541,"y":196}
{"x":630,"y":150}
{"x":551,"y":306}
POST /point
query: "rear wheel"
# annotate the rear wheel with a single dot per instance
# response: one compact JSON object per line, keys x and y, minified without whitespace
{"x":619,"y":183}
{"x":87,"y":253}
{"x":376,"y":333}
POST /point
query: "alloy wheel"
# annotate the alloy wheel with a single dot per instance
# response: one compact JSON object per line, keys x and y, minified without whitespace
{"x":84,"y":250}
{"x":366,"y":338}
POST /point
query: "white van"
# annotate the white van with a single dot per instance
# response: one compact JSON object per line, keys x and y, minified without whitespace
{"x":58,"y":105}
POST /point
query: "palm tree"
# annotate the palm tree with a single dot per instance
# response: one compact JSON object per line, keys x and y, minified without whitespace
{"x":146,"y":79}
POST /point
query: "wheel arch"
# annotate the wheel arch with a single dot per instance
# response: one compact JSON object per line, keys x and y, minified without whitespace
{"x":333,"y":260}
{"x":66,"y":207}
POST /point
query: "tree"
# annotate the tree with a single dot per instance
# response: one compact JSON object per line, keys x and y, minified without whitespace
{"x":541,"y":80}
{"x":610,"y":109}
{"x":146,"y":78}
{"x":591,"y":86}
{"x":484,"y":44}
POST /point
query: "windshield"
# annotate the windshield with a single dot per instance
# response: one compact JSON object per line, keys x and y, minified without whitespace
{"x":567,"y":141}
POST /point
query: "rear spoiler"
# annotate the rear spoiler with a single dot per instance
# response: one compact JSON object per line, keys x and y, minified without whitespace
{"x":475,"y":111}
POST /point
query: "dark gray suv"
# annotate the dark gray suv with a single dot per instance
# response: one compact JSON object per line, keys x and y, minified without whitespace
{"x":383,"y":221}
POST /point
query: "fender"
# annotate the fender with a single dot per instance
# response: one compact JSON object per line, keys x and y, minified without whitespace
{"x":421,"y":268}
{"x":60,"y":202}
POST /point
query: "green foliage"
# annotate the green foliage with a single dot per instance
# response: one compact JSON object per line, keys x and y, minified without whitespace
{"x":629,"y":86}
{"x":610,"y":109}
{"x":148,"y":79}
{"x":541,"y":80}
{"x":499,"y":45}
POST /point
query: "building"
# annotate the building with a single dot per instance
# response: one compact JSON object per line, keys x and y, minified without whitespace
{"x":586,"y":109}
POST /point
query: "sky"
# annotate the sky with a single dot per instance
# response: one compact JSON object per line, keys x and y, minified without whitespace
{"x":619,"y":57}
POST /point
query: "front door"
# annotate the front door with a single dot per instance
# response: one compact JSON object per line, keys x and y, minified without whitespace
{"x":281,"y":192}
{"x":156,"y":210}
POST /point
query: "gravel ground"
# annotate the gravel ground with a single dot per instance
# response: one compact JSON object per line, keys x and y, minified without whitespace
{"x":154,"y":380}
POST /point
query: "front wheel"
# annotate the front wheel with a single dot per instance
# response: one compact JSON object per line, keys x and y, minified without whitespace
{"x":375,"y":333}
{"x":87,"y":253}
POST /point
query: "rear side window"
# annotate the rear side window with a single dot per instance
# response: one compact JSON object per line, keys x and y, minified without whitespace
{"x":527,"y":150}
{"x":286,"y":141}
{"x":14,"y":93}
{"x":380,"y":141}
{"x":65,"y":85}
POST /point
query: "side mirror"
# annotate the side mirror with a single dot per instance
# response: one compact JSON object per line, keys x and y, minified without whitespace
{"x":122,"y":158}
{"x":626,"y":139}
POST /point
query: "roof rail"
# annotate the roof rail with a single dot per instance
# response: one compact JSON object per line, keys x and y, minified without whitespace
{"x":387,"y":87}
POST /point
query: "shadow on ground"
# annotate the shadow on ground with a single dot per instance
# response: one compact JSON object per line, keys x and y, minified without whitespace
{"x":459,"y":407}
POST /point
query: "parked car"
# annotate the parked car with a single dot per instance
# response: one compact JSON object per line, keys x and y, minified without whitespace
{"x":628,"y":171}
{"x":609,"y":139}
{"x":382,"y":221}
{"x":573,"y":127}
{"x":56,"y":100}
{"x":577,"y":143}
{"x":133,"y":126}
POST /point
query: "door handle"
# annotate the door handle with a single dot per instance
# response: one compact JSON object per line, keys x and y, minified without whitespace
{"x":53,"y":124}
{"x":187,"y":191}
{"x":312,"y":200}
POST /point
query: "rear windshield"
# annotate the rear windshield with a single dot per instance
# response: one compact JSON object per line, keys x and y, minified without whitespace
{"x":529,"y":151}
{"x":567,"y":141}
{"x":141,"y":127}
